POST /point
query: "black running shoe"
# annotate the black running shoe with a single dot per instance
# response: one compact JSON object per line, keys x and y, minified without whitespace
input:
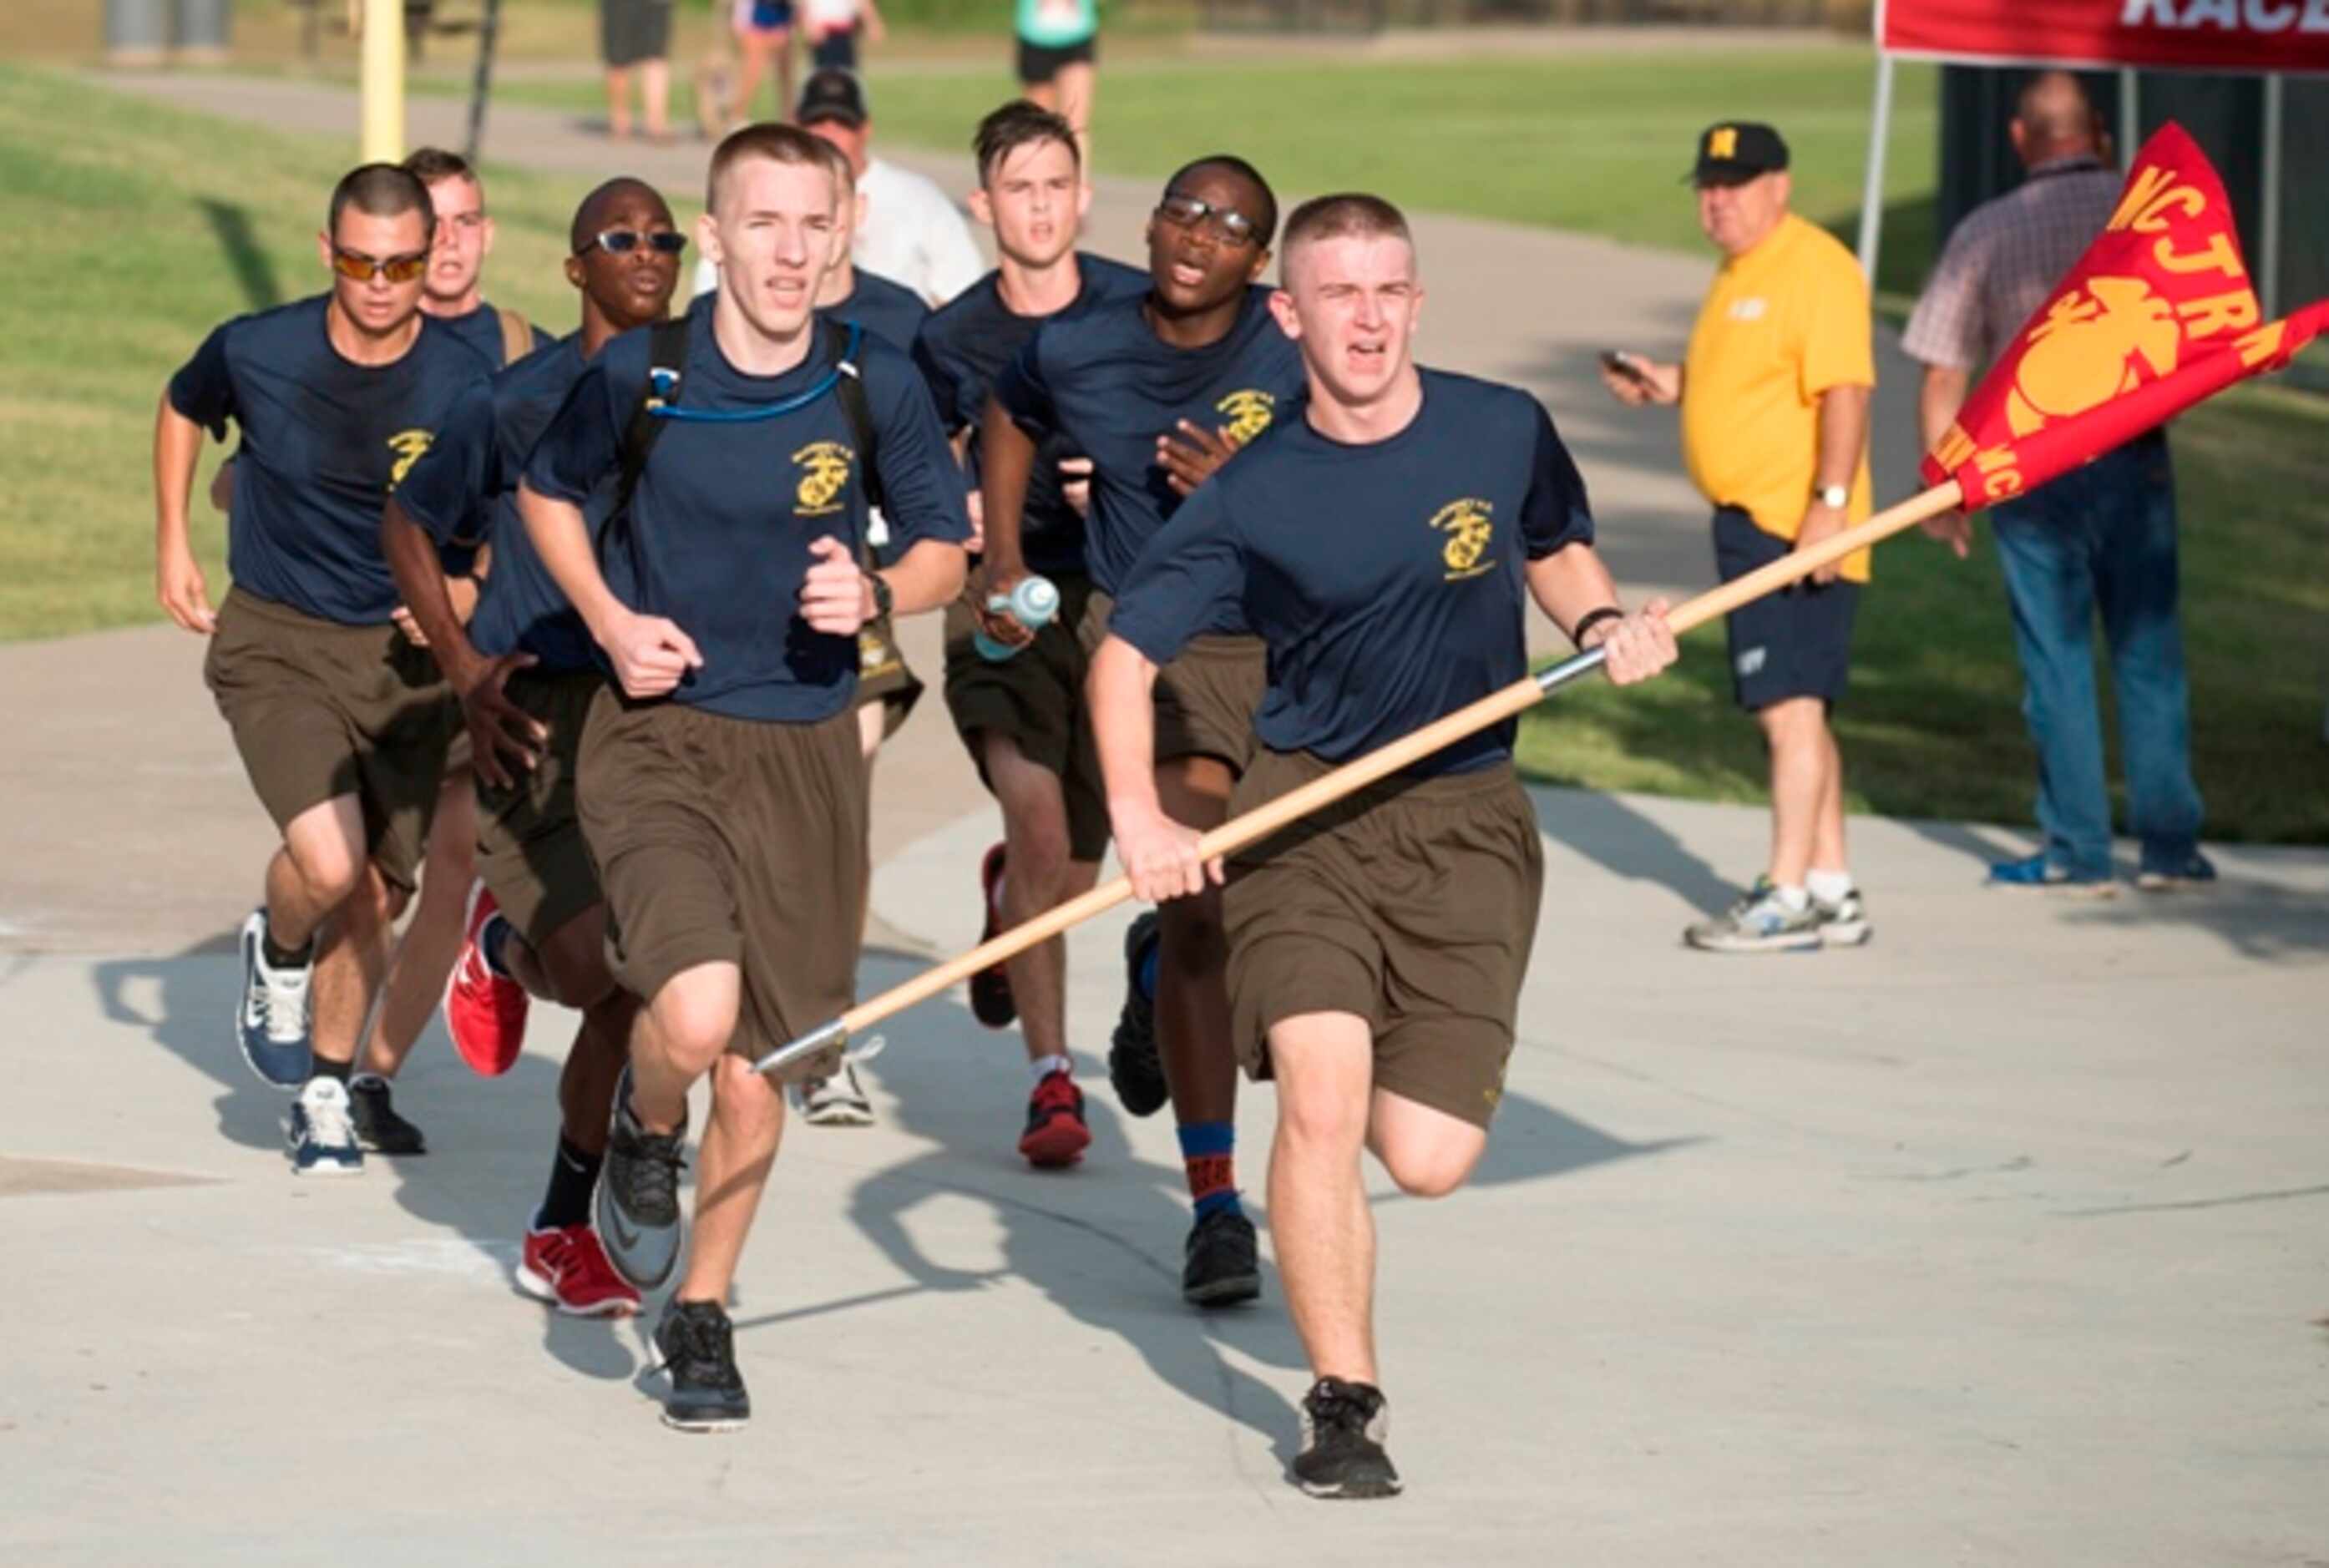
{"x":1134,"y":1067}
{"x":378,"y":1128}
{"x":698,"y":1344}
{"x":1343,"y":1425}
{"x":1221,"y":1266}
{"x":991,"y":1001}
{"x":638,"y":1196}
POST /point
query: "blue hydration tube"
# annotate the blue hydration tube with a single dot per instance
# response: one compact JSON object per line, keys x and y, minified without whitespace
{"x":666,"y":381}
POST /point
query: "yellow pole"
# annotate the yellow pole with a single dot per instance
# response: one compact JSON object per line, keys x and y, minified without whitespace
{"x":384,"y":81}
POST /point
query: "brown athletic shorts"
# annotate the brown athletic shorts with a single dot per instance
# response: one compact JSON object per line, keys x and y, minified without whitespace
{"x":1037,"y":698}
{"x":1205,"y":699}
{"x":883,"y":676}
{"x":732,"y":840}
{"x":319,"y":710}
{"x":1412,"y":904}
{"x":530,"y":848}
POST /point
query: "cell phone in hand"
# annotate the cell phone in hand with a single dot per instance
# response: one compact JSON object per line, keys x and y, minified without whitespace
{"x":1618,"y":360}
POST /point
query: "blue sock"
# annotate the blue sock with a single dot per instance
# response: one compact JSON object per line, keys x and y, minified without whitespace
{"x":1209,"y":1151}
{"x":1144,"y":971}
{"x":489,"y":946}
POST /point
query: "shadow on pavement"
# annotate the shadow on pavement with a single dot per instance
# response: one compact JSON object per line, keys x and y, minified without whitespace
{"x":1621,"y":840}
{"x":490,"y":1142}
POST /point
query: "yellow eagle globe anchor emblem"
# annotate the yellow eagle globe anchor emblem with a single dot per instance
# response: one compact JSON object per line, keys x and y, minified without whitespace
{"x":1249,"y":413}
{"x":825,"y":473}
{"x":2084,"y":353}
{"x":1469,"y":525}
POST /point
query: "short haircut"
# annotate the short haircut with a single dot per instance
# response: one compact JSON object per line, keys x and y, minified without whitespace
{"x":1265,"y":222}
{"x":779,"y":143}
{"x":1346,"y":214}
{"x":431,"y":165}
{"x":382,"y":190}
{"x":844,"y":175}
{"x":590,"y":217}
{"x":1016,"y":125}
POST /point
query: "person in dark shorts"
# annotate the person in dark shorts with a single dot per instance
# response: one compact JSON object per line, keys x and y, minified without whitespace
{"x":341,"y":724}
{"x":525,"y":671}
{"x":721,"y":789}
{"x":1022,"y":718}
{"x":637,"y":34}
{"x":1384,"y":544}
{"x":1158,"y":391}
{"x":1059,"y":60}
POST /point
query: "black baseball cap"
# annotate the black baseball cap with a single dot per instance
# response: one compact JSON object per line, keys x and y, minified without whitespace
{"x":1733,"y":152}
{"x":832,"y":92}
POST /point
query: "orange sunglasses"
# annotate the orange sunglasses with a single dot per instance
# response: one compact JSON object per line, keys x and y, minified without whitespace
{"x":360,"y":268}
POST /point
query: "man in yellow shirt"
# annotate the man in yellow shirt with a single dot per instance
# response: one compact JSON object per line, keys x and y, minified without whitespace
{"x":1774,"y":391}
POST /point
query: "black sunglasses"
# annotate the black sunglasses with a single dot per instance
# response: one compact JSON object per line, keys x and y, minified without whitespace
{"x":1188,"y":212}
{"x":623,"y":242}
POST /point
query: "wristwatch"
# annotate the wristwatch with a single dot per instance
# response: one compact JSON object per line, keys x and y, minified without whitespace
{"x":1836,"y":495}
{"x":881,"y":597}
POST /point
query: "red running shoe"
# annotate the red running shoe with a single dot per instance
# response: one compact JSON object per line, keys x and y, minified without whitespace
{"x":568,"y":1268}
{"x":484,"y":1012}
{"x":991,"y":1001}
{"x":1056,"y":1134}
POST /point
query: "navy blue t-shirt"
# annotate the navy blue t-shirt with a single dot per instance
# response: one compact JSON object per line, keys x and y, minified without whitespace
{"x":323,"y":441}
{"x":725,"y":511}
{"x":965,"y":346}
{"x":1386,"y":580}
{"x":481,"y":329}
{"x":464,"y":491}
{"x":890,"y":311}
{"x":1102,"y":379}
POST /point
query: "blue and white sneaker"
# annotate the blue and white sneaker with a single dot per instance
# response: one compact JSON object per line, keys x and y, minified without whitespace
{"x":1759,"y":922}
{"x":319,"y":1135}
{"x":270,"y":1018}
{"x":2038,"y":874}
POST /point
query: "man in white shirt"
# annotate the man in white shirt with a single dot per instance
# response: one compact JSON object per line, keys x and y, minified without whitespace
{"x":911,"y":232}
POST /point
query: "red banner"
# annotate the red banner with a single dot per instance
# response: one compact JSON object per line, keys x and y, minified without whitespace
{"x":2233,"y":35}
{"x":2156,"y":315}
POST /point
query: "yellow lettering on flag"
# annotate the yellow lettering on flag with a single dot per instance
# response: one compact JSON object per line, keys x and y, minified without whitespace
{"x":1954,"y":447}
{"x":2220,"y":255}
{"x":2262,"y":343}
{"x":2219,"y":312}
{"x":2150,"y":195}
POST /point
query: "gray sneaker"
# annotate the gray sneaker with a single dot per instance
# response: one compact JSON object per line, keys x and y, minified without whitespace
{"x":838,"y":1100}
{"x":639,"y":1216}
{"x":1844,"y":923}
{"x":1758,"y":923}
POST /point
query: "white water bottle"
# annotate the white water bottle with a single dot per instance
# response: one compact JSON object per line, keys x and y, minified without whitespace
{"x":1032,"y":602}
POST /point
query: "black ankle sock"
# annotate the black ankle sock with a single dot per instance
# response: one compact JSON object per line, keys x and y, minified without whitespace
{"x":324,"y":1069}
{"x":284,"y":957}
{"x":572,"y":1175}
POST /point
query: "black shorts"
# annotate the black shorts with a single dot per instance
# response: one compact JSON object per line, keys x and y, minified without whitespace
{"x":632,"y":31}
{"x":1795,"y":642}
{"x":833,"y":49}
{"x":1039,"y":64}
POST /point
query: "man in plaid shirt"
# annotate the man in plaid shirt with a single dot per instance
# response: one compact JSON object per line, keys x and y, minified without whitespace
{"x":2102,"y":537}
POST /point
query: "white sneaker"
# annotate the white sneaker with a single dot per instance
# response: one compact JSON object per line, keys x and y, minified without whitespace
{"x":838,"y":1100}
{"x":270,"y":1018}
{"x":320,"y":1134}
{"x":1844,"y":923}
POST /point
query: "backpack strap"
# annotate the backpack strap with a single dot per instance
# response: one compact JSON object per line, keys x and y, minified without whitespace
{"x":841,"y":339}
{"x":517,"y":336}
{"x":666,"y":367}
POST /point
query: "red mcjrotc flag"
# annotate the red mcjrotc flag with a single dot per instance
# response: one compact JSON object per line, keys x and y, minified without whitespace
{"x":2158,"y":315}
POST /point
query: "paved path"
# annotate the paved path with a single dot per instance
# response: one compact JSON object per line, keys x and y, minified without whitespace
{"x":1997,"y":1242}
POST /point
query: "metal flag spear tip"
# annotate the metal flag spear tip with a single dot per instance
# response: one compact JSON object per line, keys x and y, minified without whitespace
{"x":1267,"y":819}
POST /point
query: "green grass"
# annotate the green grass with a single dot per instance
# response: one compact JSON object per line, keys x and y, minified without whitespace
{"x":1933,"y":727}
{"x":125,"y":242}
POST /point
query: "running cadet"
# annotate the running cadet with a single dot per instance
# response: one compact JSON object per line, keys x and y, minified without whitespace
{"x":342,"y":723}
{"x":1022,"y":717}
{"x":721,"y":790}
{"x":1159,"y":391}
{"x":1383,"y":545}
{"x":525,"y":671}
{"x":452,"y":295}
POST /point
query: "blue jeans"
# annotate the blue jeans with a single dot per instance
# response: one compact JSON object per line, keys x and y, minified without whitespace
{"x":2102,"y":538}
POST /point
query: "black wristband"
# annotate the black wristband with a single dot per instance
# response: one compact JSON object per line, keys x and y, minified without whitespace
{"x":1592,"y":618}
